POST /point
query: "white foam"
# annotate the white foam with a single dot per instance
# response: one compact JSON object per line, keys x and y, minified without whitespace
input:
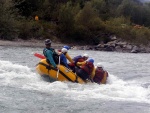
{"x":21,"y":76}
{"x":14,"y":73}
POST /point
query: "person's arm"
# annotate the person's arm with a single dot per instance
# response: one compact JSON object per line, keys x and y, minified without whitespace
{"x":69,"y":58}
{"x":93,"y":73}
{"x":104,"y":80}
{"x":50,"y":58}
{"x":80,"y":63}
{"x":63,"y":58}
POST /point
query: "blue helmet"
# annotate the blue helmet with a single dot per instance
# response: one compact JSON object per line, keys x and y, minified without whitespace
{"x":91,"y":60}
{"x":47,"y":41}
{"x":67,"y":47}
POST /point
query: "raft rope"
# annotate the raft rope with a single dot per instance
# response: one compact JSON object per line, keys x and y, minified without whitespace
{"x":49,"y":68}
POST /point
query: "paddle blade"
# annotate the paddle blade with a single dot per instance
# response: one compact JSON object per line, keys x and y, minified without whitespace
{"x":39,"y":55}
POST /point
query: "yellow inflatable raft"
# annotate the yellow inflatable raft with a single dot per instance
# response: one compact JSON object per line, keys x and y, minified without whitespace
{"x":64,"y":74}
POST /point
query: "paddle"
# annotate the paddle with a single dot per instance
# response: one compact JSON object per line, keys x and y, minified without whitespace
{"x":39,"y":55}
{"x":58,"y":67}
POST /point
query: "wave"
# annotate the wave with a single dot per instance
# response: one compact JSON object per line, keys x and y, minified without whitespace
{"x":16,"y":75}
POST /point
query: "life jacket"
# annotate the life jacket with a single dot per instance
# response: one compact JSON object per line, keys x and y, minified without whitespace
{"x":78,"y":58}
{"x":55,"y":55}
{"x":99,"y":75}
{"x":88,"y":67}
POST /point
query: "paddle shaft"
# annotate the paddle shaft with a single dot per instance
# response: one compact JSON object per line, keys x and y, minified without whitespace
{"x":58,"y":67}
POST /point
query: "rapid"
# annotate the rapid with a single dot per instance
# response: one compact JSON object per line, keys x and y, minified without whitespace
{"x":22,"y":90}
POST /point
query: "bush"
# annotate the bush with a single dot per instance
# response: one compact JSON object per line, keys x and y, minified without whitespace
{"x":88,"y":24}
{"x":65,"y":21}
{"x":142,"y":35}
{"x":30,"y":29}
{"x":119,"y":26}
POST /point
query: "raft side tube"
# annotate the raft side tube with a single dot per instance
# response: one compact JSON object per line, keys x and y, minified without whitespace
{"x":65,"y":74}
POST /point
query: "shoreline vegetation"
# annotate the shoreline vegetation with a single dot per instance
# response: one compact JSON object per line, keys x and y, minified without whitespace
{"x":82,"y":24}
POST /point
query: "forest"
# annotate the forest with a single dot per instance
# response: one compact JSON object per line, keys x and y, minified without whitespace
{"x":75,"y":21}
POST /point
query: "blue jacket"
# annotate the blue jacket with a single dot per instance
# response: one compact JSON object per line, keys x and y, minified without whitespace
{"x":48,"y":53}
{"x":64,"y":60}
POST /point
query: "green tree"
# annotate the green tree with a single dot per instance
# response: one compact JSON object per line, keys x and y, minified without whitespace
{"x":8,"y":21}
{"x":137,"y":12}
{"x":88,"y":24}
{"x":28,"y":7}
{"x":66,"y":20}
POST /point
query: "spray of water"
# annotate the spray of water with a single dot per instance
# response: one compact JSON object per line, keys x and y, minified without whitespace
{"x":116,"y":89}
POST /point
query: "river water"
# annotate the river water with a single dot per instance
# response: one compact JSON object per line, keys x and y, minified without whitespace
{"x":23,"y":91}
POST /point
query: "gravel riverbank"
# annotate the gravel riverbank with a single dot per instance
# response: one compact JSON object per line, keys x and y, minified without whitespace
{"x":28,"y":43}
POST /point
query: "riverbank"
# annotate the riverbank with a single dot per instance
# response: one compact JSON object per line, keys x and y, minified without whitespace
{"x":113,"y":46}
{"x":28,"y":43}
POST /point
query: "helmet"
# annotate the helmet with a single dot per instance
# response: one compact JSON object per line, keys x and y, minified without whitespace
{"x":64,"y":50}
{"x":67,"y":47}
{"x":86,"y":55}
{"x":47,"y":41}
{"x":91,"y":60}
{"x":99,"y":65}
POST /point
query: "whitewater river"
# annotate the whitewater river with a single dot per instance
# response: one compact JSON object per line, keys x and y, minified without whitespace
{"x":23,"y":91}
